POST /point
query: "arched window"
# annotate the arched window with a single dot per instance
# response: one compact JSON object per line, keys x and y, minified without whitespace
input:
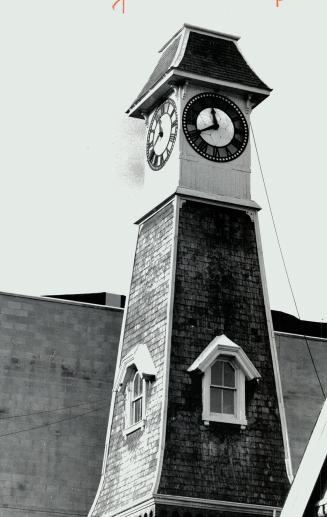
{"x":222,"y":387}
{"x":135,"y":402}
{"x":136,"y":399}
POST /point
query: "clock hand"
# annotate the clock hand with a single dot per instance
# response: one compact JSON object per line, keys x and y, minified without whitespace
{"x":160,"y":128}
{"x":159,"y":136}
{"x":214,"y":126}
{"x":214,"y":118}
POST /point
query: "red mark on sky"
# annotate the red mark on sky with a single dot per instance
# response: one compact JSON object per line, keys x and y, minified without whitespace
{"x":123,"y":4}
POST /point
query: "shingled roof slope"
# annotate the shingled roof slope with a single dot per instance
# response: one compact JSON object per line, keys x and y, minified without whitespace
{"x":164,"y":64}
{"x":209,"y":55}
{"x":219,"y":59}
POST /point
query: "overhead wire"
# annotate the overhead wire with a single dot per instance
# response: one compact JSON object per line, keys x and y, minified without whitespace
{"x":283,"y":259}
{"x":46,"y":511}
{"x":10,"y":433}
{"x":51,"y":410}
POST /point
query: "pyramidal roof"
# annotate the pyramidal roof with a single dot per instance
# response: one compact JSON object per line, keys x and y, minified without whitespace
{"x":203,"y":56}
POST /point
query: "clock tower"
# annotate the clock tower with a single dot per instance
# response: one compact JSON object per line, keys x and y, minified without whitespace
{"x":197,"y":424}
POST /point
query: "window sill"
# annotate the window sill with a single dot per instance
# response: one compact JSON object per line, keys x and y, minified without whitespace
{"x":224,"y":419}
{"x":134,"y":427}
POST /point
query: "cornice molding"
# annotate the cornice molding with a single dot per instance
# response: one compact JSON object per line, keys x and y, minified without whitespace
{"x":246,"y":205}
{"x":197,"y":504}
{"x":302,"y":336}
{"x":213,"y":504}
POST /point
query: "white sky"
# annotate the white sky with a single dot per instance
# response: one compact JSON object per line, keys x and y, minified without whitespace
{"x":71,"y":161}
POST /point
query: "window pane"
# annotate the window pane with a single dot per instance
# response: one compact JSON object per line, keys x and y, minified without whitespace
{"x":137,"y":410}
{"x":229,"y":375}
{"x":137,"y":390}
{"x":217,"y":373}
{"x":215,"y":400}
{"x":228,"y":401}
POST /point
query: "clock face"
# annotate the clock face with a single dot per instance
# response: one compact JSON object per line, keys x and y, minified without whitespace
{"x":161,"y":135}
{"x":215,"y":127}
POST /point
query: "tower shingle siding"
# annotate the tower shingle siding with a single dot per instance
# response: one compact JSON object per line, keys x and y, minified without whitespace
{"x":132,"y":460}
{"x":219,"y":290}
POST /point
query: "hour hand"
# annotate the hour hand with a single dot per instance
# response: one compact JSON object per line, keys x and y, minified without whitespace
{"x":214,"y":126}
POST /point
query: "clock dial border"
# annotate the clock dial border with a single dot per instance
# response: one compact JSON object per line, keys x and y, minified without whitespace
{"x":159,"y":112}
{"x":218,"y":154}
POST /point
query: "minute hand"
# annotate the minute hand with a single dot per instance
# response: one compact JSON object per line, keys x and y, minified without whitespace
{"x":214,"y":118}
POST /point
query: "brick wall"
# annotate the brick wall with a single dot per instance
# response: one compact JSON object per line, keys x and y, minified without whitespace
{"x":53,"y":355}
{"x":132,"y":460}
{"x":218,"y":290}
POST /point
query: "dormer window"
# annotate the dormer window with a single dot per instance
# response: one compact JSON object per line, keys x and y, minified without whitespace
{"x":135,"y":370}
{"x":225,"y":368}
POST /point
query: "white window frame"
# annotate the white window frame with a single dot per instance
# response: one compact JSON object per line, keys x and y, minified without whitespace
{"x":239,"y":416}
{"x":244,"y":370}
{"x":137,"y":360}
{"x":130,"y":425}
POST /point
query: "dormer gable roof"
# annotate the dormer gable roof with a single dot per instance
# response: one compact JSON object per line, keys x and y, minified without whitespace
{"x":222,"y":345}
{"x":140,"y":358}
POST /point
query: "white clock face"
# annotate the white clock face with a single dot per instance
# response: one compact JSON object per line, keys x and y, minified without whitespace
{"x":162,"y":128}
{"x":161,"y":135}
{"x":215,"y":137}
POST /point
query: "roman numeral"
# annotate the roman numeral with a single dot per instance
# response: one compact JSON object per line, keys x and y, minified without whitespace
{"x":194,"y":133}
{"x":216,"y":153}
{"x":238,"y":136}
{"x":202,"y":146}
{"x":191,"y":117}
{"x":237,"y":141}
{"x":203,"y":103}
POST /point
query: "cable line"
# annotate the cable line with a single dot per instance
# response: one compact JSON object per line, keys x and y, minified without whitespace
{"x":51,"y":423}
{"x":48,"y":512}
{"x":51,"y":410}
{"x":283,"y":259}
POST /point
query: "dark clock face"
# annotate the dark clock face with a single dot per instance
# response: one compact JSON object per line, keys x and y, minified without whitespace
{"x":161,"y":135}
{"x":215,"y":127}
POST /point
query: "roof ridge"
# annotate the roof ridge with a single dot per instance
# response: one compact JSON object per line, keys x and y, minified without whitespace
{"x":200,"y":30}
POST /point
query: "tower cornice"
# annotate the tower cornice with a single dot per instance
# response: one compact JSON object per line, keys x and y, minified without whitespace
{"x":196,"y":504}
{"x":202,"y":197}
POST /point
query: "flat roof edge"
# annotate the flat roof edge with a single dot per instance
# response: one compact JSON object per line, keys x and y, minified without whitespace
{"x":60,"y":300}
